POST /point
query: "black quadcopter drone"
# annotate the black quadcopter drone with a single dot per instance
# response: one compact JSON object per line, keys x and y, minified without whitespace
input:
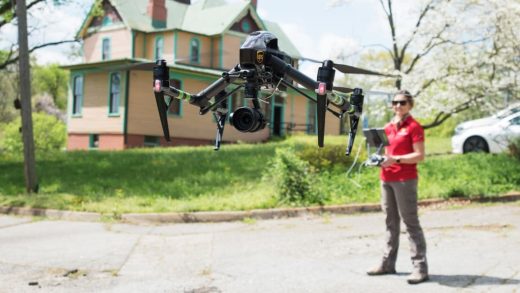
{"x":263,"y":65}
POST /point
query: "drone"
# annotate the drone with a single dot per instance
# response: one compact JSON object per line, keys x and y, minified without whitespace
{"x":263,"y":65}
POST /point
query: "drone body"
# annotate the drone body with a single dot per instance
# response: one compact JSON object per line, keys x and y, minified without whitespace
{"x":263,"y":65}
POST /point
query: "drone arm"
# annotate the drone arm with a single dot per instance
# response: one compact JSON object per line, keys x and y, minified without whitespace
{"x":218,"y":100}
{"x":281,"y":66}
{"x":202,"y":98}
{"x":332,"y":99}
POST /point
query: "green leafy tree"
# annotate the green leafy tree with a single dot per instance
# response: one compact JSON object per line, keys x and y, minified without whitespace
{"x":8,"y":93}
{"x":53,"y":80}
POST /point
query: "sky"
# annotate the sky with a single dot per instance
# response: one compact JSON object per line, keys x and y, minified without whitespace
{"x":320,"y":29}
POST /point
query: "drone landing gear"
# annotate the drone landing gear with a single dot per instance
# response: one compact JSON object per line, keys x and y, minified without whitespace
{"x":220,"y":114}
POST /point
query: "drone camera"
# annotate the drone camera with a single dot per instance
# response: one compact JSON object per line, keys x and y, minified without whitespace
{"x":247,"y":119}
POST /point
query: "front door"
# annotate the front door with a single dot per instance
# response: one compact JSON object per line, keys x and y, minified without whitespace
{"x":277,"y":120}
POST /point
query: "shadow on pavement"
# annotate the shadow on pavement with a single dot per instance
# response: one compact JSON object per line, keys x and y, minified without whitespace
{"x":463,"y":281}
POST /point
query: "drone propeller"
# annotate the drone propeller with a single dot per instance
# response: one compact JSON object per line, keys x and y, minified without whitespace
{"x":343,"y":89}
{"x":350,"y":69}
{"x":163,"y":110}
{"x":161,"y":77}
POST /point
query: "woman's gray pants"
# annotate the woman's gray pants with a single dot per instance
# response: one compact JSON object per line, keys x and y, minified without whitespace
{"x":399,"y":200}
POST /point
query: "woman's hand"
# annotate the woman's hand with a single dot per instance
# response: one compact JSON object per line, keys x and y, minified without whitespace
{"x":389,"y":161}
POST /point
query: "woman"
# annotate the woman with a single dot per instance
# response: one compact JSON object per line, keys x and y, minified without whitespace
{"x":399,"y":189}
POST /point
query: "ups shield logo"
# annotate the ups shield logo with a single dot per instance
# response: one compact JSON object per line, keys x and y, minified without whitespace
{"x":260,"y":57}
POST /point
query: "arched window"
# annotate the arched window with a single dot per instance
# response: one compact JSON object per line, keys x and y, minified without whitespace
{"x":195,"y":50}
{"x":245,"y":26}
{"x":105,"y":49}
{"x":115,"y":94}
{"x":77,"y":95}
{"x":159,"y":44}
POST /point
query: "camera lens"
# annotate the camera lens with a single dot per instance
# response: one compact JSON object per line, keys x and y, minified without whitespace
{"x":247,"y":119}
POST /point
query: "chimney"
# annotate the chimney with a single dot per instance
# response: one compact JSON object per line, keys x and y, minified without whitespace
{"x":156,"y":9}
{"x":254,"y":3}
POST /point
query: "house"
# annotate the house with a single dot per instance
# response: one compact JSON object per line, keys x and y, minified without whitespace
{"x":112,"y":107}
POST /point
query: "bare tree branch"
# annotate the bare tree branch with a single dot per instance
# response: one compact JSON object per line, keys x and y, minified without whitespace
{"x":384,"y":8}
{"x":10,"y":59}
{"x":8,"y":6}
{"x":427,"y":8}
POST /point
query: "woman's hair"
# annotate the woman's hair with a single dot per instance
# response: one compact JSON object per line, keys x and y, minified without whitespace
{"x":406,"y":94}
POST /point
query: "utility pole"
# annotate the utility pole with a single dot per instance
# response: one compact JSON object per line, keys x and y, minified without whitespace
{"x":31,"y":181}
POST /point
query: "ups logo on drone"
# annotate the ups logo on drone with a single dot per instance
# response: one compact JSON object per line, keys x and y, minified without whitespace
{"x":260,"y":57}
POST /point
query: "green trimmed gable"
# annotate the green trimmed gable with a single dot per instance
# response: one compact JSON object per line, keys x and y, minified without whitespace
{"x":205,"y":17}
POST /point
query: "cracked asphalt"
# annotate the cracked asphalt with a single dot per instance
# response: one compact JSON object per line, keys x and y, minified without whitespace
{"x":470,"y":249}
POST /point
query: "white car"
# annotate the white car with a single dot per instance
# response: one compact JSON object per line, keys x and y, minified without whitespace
{"x":512,"y":109}
{"x":493,"y":136}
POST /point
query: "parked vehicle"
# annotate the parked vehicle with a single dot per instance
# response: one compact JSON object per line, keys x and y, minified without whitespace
{"x":512,"y":109}
{"x":490,"y":135}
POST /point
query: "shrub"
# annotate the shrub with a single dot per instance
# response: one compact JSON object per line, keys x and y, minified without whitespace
{"x":328,"y":157}
{"x":446,"y":129}
{"x":49,"y":135}
{"x":293,"y":178}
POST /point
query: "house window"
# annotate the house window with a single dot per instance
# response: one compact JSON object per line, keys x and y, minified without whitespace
{"x":195,"y":50}
{"x":151,"y":141}
{"x":246,"y":26}
{"x":311,"y":117}
{"x":94,"y":141}
{"x":175,"y":108}
{"x":159,"y":45}
{"x":115,"y":94}
{"x":105,"y":50}
{"x":77,"y":95}
{"x":107,"y":20}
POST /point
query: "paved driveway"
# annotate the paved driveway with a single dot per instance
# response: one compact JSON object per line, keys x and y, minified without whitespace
{"x":473,"y":249}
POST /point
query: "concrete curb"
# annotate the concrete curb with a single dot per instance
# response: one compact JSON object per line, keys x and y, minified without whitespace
{"x":229,"y":216}
{"x":54,"y":214}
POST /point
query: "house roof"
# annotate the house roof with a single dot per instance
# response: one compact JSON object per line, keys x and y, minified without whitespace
{"x":127,"y":64}
{"x":205,"y":17}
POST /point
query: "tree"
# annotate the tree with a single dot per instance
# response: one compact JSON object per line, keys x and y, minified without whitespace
{"x":461,"y":54}
{"x":8,"y":16}
{"x":53,"y":80}
{"x":474,"y":73}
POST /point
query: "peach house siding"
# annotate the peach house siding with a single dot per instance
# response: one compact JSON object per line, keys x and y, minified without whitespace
{"x":215,"y":54}
{"x":230,"y":54}
{"x":77,"y":141}
{"x":184,"y":45}
{"x":94,"y":116}
{"x":120,"y":45}
{"x":149,"y":45}
{"x":139,"y":48}
{"x":111,"y":142}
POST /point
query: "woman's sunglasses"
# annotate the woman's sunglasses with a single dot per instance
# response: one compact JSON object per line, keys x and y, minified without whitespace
{"x":402,"y":103}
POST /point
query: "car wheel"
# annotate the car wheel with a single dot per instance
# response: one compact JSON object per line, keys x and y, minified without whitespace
{"x":475,"y":144}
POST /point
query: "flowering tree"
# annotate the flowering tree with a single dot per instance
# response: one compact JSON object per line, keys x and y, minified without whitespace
{"x":456,"y":55}
{"x":478,"y":66}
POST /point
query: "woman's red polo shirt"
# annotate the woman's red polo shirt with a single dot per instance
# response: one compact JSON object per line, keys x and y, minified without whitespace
{"x":401,"y":142}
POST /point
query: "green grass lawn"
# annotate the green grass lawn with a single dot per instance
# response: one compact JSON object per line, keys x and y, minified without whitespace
{"x":234,"y":178}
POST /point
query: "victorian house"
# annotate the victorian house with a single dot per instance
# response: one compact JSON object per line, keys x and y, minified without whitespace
{"x":111,"y":105}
